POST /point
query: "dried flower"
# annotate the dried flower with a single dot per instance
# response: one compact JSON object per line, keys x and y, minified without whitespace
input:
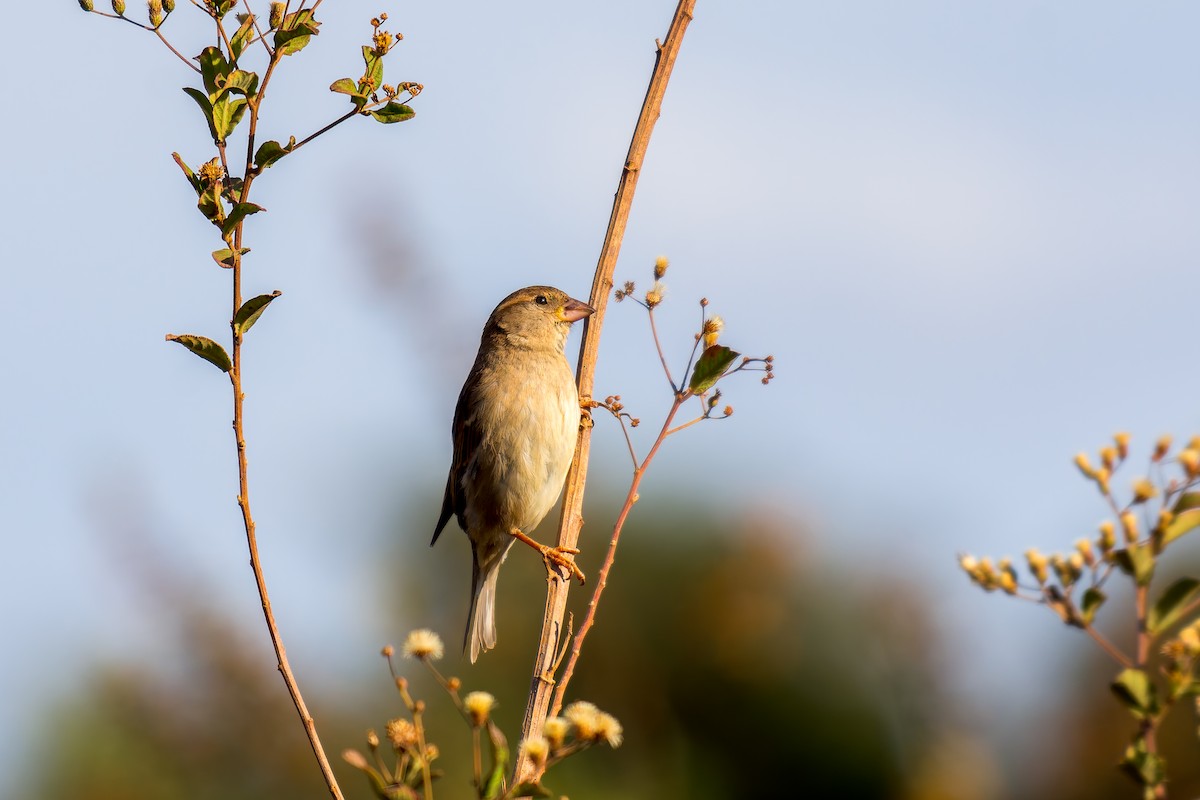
{"x":423,"y":643}
{"x":1037,"y":564}
{"x":1122,"y":440}
{"x":584,"y":717}
{"x":536,"y":748}
{"x":660,"y":267}
{"x":211,"y":172}
{"x":555,"y":730}
{"x":1143,"y":490}
{"x":712,"y":329}
{"x":1161,"y":447}
{"x":401,"y":733}
{"x":654,"y":295}
{"x":1129,"y":526}
{"x":372,"y":739}
{"x":609,"y":729}
{"x":478,"y":706}
{"x":276,"y":17}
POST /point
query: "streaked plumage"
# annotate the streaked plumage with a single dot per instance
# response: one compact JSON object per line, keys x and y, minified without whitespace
{"x":515,"y":428}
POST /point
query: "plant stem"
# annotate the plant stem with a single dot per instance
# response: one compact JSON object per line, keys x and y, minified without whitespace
{"x":572,"y":517}
{"x":1148,"y":726}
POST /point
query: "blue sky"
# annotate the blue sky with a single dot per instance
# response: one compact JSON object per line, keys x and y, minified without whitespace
{"x":967,"y":232}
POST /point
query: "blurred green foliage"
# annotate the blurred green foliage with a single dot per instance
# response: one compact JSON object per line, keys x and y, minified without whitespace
{"x":738,"y":665}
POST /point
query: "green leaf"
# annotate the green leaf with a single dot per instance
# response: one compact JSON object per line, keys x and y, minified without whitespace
{"x":344,"y":86}
{"x":1093,"y":598}
{"x":238,"y":213}
{"x":224,"y":257}
{"x":1171,"y":605}
{"x":206,"y":348}
{"x":188,"y":173}
{"x":237,"y":44}
{"x":373,"y":75}
{"x":242,"y":82}
{"x":1183,"y":522}
{"x":1136,"y":561}
{"x":295,"y":31}
{"x":393,"y":112}
{"x":226,"y":114}
{"x":271,"y":151}
{"x":1146,"y":768}
{"x":214,"y":69}
{"x":1134,"y":688}
{"x":251,"y":310}
{"x":210,"y":205}
{"x":710,"y":367}
{"x":206,"y":106}
{"x":531,"y":789}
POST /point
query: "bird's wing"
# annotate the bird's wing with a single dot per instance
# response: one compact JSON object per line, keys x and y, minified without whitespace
{"x":466,"y":441}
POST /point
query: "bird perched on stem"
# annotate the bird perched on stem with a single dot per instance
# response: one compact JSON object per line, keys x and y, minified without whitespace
{"x":515,"y":429}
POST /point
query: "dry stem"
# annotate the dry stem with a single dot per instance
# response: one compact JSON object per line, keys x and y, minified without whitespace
{"x":572,"y":519}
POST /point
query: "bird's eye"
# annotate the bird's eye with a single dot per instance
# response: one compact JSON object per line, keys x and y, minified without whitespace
{"x":541,"y":300}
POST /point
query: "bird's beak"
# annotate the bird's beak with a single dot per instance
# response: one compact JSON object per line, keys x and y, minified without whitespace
{"x":573,"y":310}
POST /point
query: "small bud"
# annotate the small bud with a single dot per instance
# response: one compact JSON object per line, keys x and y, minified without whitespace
{"x":1194,"y":443}
{"x":1143,"y":490}
{"x":1161,"y":447}
{"x":372,"y":739}
{"x":1190,"y":639}
{"x":704,"y":302}
{"x":1084,"y":546}
{"x":355,"y":759}
{"x":1129,"y":526}
{"x":555,"y":731}
{"x":423,"y":643}
{"x":387,"y":651}
{"x":1085,"y":466}
{"x":969,"y":564}
{"x":1008,"y":577}
{"x":1075,"y":565}
{"x":1037,"y":564}
{"x":660,"y":267}
{"x":169,"y":6}
{"x":536,"y":748}
{"x":453,"y":684}
{"x":478,"y":706}
{"x":1102,"y":476}
{"x":1165,"y":518}
{"x":1108,"y":537}
{"x":1122,"y":441}
{"x":432,"y":752}
{"x":276,"y":17}
{"x":728,"y":411}
{"x":86,"y":5}
{"x":1108,"y":457}
{"x":1190,"y":459}
{"x":119,"y":7}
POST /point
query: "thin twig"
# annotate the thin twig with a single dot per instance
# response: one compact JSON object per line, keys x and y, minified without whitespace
{"x":658,"y":347}
{"x":602,"y":577}
{"x":602,"y":282}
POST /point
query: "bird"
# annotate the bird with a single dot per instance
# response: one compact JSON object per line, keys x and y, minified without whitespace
{"x":515,"y":428}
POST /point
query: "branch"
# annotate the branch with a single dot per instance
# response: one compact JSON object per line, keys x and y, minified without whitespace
{"x":572,"y":520}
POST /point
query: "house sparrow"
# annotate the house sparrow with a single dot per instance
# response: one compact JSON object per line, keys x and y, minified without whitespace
{"x":515,"y":429}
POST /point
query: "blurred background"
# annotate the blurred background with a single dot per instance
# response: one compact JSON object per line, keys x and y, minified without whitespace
{"x":966,"y":232}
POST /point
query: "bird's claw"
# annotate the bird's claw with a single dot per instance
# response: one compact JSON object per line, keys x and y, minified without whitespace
{"x":556,"y":557}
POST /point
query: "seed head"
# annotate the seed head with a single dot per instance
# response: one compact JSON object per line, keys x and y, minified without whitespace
{"x":423,"y":643}
{"x":478,"y":706}
{"x":276,"y":17}
{"x":655,"y":294}
{"x":584,"y":717}
{"x":401,"y":733}
{"x":536,"y":748}
{"x":609,"y":730}
{"x":555,"y":730}
{"x":660,"y":267}
{"x":119,"y":7}
{"x":712,"y":329}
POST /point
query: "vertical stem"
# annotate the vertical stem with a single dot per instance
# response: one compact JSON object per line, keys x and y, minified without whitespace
{"x":285,"y":669}
{"x":572,"y":517}
{"x":1147,"y":728}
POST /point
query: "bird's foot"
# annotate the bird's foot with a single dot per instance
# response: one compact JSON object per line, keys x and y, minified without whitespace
{"x":556,"y":558}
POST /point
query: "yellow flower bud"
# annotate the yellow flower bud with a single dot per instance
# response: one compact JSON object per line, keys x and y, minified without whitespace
{"x":1130,"y":526}
{"x":1085,"y":549}
{"x":1108,"y":456}
{"x":1190,"y":459}
{"x":660,"y":267}
{"x":1161,"y":447}
{"x":1122,"y":440}
{"x":1085,"y":466}
{"x":1143,"y":490}
{"x":1037,"y":564}
{"x":119,"y":7}
{"x":1108,"y":536}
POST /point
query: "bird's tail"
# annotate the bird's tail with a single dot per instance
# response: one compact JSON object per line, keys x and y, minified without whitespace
{"x":481,"y":624}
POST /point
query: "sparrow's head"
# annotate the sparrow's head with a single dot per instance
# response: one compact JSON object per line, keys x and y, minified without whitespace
{"x":536,"y":315}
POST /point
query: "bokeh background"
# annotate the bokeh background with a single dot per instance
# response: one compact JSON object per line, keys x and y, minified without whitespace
{"x":966,"y":231}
